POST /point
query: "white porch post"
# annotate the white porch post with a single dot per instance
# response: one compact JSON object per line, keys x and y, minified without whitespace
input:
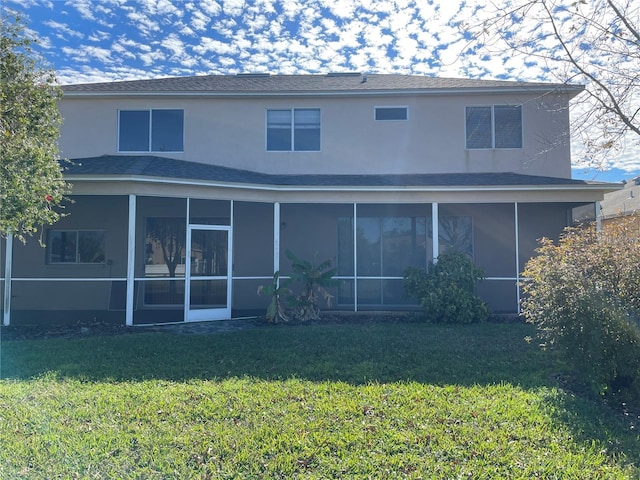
{"x":598,"y":217}
{"x":435,"y":229}
{"x":355,"y":257}
{"x":517,"y":240}
{"x":131,"y":256}
{"x":276,"y":236}
{"x":7,"y":280}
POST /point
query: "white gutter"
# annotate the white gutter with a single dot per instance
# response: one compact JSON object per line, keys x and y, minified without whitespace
{"x":339,"y":188}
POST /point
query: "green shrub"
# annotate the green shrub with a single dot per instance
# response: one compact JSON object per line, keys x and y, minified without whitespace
{"x":582,"y":294}
{"x":446,"y":290}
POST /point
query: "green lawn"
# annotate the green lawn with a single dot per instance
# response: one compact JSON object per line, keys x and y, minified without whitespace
{"x":378,"y":400}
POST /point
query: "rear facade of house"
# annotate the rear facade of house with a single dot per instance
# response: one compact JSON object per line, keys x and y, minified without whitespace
{"x":187,"y":192}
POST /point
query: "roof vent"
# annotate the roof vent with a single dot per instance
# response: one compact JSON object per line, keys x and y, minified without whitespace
{"x":253,"y":75}
{"x":343,"y":74}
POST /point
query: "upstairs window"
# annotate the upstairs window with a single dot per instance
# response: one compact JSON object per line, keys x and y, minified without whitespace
{"x":151,"y":130}
{"x":295,"y":129}
{"x":497,"y":126}
{"x":391,"y":113}
{"x":76,"y":246}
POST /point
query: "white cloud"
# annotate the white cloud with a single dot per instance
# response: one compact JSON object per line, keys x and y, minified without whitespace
{"x":62,"y":30}
{"x":233,"y":7}
{"x":87,"y":53}
{"x":174,"y":43}
{"x":99,"y":36}
{"x":210,"y":45}
{"x":199,"y":20}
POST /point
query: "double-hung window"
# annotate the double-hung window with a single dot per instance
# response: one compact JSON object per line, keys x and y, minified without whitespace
{"x":295,"y":129}
{"x":76,"y":246}
{"x":158,"y":130}
{"x":497,"y":126}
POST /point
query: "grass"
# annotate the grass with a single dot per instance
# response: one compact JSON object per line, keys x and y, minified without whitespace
{"x":378,"y":400}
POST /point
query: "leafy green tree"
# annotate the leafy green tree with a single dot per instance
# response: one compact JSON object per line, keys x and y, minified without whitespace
{"x":31,"y":182}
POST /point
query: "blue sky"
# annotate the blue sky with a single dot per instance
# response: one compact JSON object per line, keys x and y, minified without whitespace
{"x":96,"y":40}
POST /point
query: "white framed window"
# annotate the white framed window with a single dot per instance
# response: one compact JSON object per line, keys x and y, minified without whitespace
{"x":155,"y":130}
{"x":495,"y":126}
{"x":296,"y":129}
{"x":391,"y":113}
{"x":75,"y":246}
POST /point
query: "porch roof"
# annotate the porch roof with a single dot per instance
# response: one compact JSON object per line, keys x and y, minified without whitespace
{"x":128,"y":167}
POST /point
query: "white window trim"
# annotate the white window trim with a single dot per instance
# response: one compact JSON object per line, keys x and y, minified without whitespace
{"x":383,"y":107}
{"x":150,"y":139}
{"x":293,"y":128}
{"x":493,"y":126}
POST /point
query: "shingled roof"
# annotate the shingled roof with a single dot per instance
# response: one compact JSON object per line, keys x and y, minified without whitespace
{"x":160,"y":167}
{"x":344,"y":83}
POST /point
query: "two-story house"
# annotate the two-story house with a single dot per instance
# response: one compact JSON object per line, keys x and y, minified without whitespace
{"x":188,"y":191}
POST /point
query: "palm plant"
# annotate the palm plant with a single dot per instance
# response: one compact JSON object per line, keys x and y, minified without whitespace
{"x":315,"y":280}
{"x":276,"y":312}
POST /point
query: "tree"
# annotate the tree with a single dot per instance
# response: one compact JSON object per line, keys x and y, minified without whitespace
{"x":31,"y":182}
{"x":596,"y":42}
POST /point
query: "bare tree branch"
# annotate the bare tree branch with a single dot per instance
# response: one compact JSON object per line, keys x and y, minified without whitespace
{"x":596,"y":42}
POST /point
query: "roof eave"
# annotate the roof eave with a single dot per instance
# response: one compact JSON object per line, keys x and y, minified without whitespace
{"x":571,"y":90}
{"x":593,"y":187}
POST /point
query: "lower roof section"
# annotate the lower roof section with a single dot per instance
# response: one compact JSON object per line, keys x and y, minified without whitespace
{"x":153,"y":175}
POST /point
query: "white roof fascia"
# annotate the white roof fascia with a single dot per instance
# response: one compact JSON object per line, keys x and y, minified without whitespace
{"x":331,"y":188}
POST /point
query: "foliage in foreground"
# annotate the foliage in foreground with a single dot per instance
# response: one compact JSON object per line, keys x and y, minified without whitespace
{"x":583,"y":294}
{"x":446,"y":290}
{"x":31,"y":182}
{"x":341,"y":401}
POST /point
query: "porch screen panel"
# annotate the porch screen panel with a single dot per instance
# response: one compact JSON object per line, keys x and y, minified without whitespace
{"x":387,"y":244}
{"x":404,"y":243}
{"x":455,"y":233}
{"x":369,"y":241}
{"x":209,"y":212}
{"x":165,"y":247}
{"x":345,"y":246}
